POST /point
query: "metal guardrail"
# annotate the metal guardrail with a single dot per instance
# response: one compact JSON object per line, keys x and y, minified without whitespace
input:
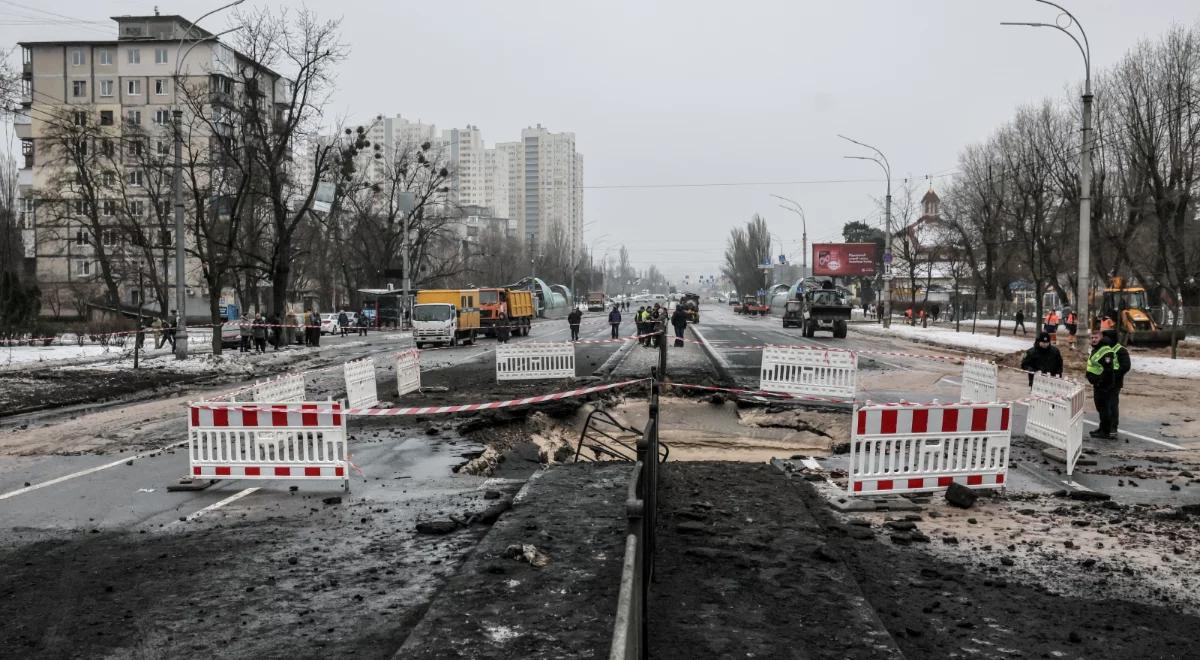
{"x":630,"y":631}
{"x":603,"y":438}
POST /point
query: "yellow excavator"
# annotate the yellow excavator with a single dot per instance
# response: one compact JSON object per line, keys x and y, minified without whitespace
{"x":1127,"y":307}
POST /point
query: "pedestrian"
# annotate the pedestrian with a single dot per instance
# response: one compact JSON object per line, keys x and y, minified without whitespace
{"x":1020,"y":319}
{"x":1043,"y":358}
{"x":363,"y":323}
{"x":260,"y":334}
{"x":273,"y":324}
{"x":640,"y":324}
{"x":313,"y":323}
{"x":169,"y":332}
{"x":679,"y":322}
{"x":503,"y":331}
{"x":1106,"y":369}
{"x":937,"y":310}
{"x":343,"y":322}
{"x":245,"y":332}
{"x":1072,"y":326}
{"x":157,"y":326}
{"x":659,"y":326}
{"x":1051,"y":325}
{"x":574,"y":318}
{"x":614,"y":319}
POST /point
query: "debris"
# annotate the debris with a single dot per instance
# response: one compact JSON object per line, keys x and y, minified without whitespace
{"x":1088,"y":496}
{"x":527,"y":553}
{"x":960,"y":496}
{"x":491,"y":514}
{"x":437,"y":526}
{"x":330,"y":501}
{"x":491,"y":494}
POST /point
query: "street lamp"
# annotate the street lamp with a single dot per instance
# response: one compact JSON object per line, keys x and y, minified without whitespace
{"x":181,"y":336}
{"x":1085,"y":166}
{"x":882,"y":162}
{"x":799,"y":210}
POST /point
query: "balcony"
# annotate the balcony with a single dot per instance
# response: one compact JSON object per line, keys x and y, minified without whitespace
{"x":22,"y":126}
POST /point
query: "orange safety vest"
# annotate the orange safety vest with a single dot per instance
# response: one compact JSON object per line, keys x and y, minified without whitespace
{"x":1052,"y":318}
{"x":1107,"y":324}
{"x":1071,"y":318}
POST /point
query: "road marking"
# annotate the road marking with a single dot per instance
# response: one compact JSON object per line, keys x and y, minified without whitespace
{"x":83,"y":473}
{"x":1140,"y":436}
{"x":212,"y":507}
{"x":951,"y":381}
{"x":1076,"y":486}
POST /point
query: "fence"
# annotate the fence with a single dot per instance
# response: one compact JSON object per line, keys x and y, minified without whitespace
{"x":630,"y":634}
{"x":408,"y":371}
{"x":1056,"y":416}
{"x":978,"y":381}
{"x":809,"y":370}
{"x":535,"y":361}
{"x":905,"y":448}
{"x":268,"y":441}
{"x":360,"y":383}
{"x":289,"y":387}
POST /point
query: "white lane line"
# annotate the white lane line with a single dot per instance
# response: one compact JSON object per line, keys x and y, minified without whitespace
{"x":83,"y":473}
{"x":1139,"y":436}
{"x":951,"y":381}
{"x":212,"y":507}
{"x":1077,"y":486}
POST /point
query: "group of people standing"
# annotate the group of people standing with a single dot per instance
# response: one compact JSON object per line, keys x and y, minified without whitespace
{"x":253,"y":332}
{"x":1107,"y":364}
{"x":651,"y":322}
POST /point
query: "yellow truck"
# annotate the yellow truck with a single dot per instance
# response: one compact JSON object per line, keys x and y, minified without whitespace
{"x":516,"y":303}
{"x":445,"y":316}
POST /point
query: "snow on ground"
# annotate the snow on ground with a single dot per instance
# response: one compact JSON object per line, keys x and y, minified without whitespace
{"x":1006,"y":344}
{"x":69,"y":352}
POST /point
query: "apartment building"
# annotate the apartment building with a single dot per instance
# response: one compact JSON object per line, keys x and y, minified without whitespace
{"x":96,"y":136}
{"x":552,"y":186}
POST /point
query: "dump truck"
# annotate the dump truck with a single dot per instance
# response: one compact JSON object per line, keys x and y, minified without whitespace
{"x":516,"y":303}
{"x":818,"y":309}
{"x":1127,"y":306}
{"x":445,"y":316}
{"x":753,"y":306}
{"x":691,"y":305}
{"x":595,"y":301}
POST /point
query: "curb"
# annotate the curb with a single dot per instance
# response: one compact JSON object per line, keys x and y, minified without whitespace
{"x":717,"y":361}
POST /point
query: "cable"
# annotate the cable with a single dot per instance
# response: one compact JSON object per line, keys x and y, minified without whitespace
{"x":723,"y":184}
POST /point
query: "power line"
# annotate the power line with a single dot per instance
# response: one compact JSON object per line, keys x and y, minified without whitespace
{"x":727,"y":184}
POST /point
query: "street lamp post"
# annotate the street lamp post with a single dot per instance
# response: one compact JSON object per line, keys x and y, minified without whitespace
{"x":1085,"y":168}
{"x":799,"y":210}
{"x":882,"y":162}
{"x":181,"y":336}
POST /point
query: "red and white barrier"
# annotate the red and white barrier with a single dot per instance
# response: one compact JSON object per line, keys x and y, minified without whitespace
{"x":360,"y":383}
{"x":535,"y":361}
{"x":809,"y":370}
{"x":1056,"y":416}
{"x":978,"y":381}
{"x":408,"y":371}
{"x":268,"y":441}
{"x":908,"y":448}
{"x":286,"y":388}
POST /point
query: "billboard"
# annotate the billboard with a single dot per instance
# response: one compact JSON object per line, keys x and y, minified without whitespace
{"x":844,"y":259}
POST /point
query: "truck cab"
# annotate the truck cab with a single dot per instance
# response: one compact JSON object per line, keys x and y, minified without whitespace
{"x":445,"y":316}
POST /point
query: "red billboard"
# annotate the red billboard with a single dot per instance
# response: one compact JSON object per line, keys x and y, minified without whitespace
{"x":844,"y":259}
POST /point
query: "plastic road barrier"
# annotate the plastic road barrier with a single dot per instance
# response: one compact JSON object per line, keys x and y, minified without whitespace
{"x":978,"y":381}
{"x":408,"y":371}
{"x":360,"y":383}
{"x":1056,"y":416}
{"x":530,"y":361}
{"x":809,"y":370}
{"x":268,"y":441}
{"x":908,"y":448}
{"x":288,"y":387}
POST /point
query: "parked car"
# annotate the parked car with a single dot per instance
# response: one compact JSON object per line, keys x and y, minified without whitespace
{"x":329,"y":324}
{"x":231,"y":335}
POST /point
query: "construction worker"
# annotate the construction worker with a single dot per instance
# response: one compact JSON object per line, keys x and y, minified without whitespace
{"x":1107,"y":323}
{"x":1020,"y":319}
{"x":1042,"y":358}
{"x":1051,"y":326}
{"x":1071,"y":324}
{"x":1106,"y":369}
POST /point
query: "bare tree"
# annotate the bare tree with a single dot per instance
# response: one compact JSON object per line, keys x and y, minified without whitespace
{"x":745,"y":253}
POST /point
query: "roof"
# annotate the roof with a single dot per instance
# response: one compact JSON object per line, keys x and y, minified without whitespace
{"x":191,"y":27}
{"x":930,"y":196}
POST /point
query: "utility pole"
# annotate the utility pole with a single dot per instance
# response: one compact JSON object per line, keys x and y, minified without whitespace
{"x":799,"y":210}
{"x":882,"y":162}
{"x":1085,"y":171}
{"x":181,"y":338}
{"x":139,"y":337}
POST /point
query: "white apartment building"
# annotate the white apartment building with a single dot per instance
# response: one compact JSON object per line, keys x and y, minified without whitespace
{"x":467,"y":159}
{"x":552,"y":186}
{"x":122,"y":92}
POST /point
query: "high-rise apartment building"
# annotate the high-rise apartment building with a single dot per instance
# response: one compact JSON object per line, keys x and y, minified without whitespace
{"x":96,"y":135}
{"x":552,"y":186}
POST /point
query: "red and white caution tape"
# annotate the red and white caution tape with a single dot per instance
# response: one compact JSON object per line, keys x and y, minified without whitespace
{"x":762,"y":393}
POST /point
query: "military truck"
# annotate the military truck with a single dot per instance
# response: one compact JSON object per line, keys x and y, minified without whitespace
{"x":815,"y":310}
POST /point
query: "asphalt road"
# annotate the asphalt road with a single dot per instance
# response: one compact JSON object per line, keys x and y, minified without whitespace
{"x":734,"y":339}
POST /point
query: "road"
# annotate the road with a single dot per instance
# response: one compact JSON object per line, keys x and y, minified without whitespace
{"x":91,"y":482}
{"x":735,"y":339}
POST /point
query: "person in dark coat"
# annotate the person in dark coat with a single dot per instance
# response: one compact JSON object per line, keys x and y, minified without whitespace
{"x":363,"y":324}
{"x":343,"y":322}
{"x":1106,"y":369}
{"x":1042,"y":358}
{"x":1020,"y":319}
{"x":614,"y":319}
{"x":503,"y":331}
{"x":679,"y":322}
{"x":273,"y":322}
{"x":260,"y":334}
{"x":574,"y":319}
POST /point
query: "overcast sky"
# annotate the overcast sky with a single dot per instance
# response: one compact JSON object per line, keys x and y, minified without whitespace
{"x":697,"y":92}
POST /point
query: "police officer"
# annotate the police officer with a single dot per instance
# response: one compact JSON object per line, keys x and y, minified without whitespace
{"x":1106,"y":369}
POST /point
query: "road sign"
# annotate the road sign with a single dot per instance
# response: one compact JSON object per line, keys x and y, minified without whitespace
{"x":887,"y":257}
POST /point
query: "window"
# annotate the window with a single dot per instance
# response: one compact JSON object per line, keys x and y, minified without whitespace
{"x":77,"y":58}
{"x":164,"y":209}
{"x":164,"y":148}
{"x":134,"y":117}
{"x":81,"y":236}
{"x":81,"y":147}
{"x":80,"y":118}
{"x":160,"y":55}
{"x":164,"y":237}
{"x":110,"y":177}
{"x":162,"y":116}
{"x":135,"y":148}
{"x":83,"y":267}
{"x":134,"y":178}
{"x":136,"y":208}
{"x":78,"y":88}
{"x":110,"y":237}
{"x":106,"y":118}
{"x":105,"y":56}
{"x":106,"y":148}
{"x":135,"y":55}
{"x":106,"y":88}
{"x":109,"y":207}
{"x":135,"y":88}
{"x":160,"y":86}
{"x":26,"y":217}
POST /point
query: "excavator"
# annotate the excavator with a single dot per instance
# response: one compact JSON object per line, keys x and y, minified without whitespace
{"x":1126,"y":305}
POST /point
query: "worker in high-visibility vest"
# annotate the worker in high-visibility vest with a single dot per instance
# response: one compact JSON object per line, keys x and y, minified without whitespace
{"x":1072,"y":326}
{"x":1107,"y":323}
{"x":1051,"y":326}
